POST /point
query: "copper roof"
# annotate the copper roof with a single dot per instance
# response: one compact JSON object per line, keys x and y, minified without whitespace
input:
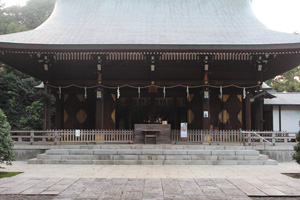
{"x":194,"y":24}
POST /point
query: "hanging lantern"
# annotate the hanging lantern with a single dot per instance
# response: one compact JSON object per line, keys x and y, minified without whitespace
{"x":59,"y":92}
{"x":187,"y":92}
{"x":118,"y":92}
{"x":244,"y":93}
{"x":221,"y":92}
{"x":85,"y":93}
{"x":164,"y":92}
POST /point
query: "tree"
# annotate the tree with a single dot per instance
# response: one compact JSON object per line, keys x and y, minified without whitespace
{"x":287,"y":82}
{"x":16,"y":88}
{"x":32,"y":119}
{"x":296,"y":155}
{"x":6,"y":143}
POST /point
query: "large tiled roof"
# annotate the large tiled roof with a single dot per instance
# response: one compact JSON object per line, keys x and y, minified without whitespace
{"x":208,"y":24}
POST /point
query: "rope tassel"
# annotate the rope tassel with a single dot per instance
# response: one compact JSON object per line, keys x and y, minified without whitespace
{"x":221,"y":92}
{"x":164,"y":92}
{"x":139,"y":91}
{"x":118,"y":92}
{"x":59,"y":92}
{"x":244,"y":93}
{"x":187,"y":92}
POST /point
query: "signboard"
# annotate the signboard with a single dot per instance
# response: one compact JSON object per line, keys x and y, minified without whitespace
{"x":183,"y":130}
{"x":77,"y":133}
{"x":205,"y":114}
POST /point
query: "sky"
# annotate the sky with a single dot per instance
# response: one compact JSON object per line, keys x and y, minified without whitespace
{"x":279,"y":15}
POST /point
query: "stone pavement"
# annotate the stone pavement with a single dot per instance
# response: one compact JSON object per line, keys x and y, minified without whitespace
{"x":151,"y":182}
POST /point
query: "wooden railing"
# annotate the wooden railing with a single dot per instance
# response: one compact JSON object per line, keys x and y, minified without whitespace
{"x":97,"y":136}
{"x":126,"y":136}
{"x":206,"y":136}
{"x":36,"y":137}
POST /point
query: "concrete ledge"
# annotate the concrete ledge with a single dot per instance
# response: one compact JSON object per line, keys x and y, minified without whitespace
{"x":129,"y":152}
{"x":81,"y":152}
{"x":175,"y":152}
{"x":58,"y":152}
{"x":232,"y":157}
{"x":248,"y":152}
{"x":175,"y":162}
{"x":202,"y":152}
{"x":223,"y":152}
{"x":105,"y":152}
{"x":152,"y":152}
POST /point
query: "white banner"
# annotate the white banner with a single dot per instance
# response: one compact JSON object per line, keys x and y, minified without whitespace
{"x":77,"y":133}
{"x":183,"y":130}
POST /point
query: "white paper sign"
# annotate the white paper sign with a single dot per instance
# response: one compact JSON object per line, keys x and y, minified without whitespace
{"x":77,"y":133}
{"x":205,"y":114}
{"x":183,"y":130}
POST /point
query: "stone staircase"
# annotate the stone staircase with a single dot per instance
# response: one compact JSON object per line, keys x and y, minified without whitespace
{"x":153,"y":155}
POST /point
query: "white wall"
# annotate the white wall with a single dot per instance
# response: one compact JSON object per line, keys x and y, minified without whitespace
{"x":275,"y":118}
{"x":290,"y":116}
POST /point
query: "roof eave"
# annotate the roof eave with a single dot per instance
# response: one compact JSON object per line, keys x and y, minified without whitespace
{"x":148,"y":47}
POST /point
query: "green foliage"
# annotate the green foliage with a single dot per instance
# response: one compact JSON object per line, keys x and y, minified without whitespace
{"x":287,"y":82}
{"x":16,"y":90}
{"x":8,"y":174}
{"x":34,"y":13}
{"x":6,"y":143}
{"x":32,"y":119}
{"x":296,"y":155}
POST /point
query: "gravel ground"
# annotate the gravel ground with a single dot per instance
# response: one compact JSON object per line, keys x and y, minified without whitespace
{"x":26,"y":197}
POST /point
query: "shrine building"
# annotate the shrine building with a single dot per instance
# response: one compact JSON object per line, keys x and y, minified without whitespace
{"x":112,"y":64}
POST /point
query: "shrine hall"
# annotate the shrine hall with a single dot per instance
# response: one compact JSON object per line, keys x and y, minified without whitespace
{"x":114,"y":64}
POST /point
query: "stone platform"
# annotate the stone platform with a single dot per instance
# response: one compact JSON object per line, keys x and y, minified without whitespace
{"x":153,"y":155}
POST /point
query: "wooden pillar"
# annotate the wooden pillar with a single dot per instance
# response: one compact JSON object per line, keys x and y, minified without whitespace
{"x":59,"y":114}
{"x":206,"y":111}
{"x":130,"y":114}
{"x":258,"y":114}
{"x":248,"y":112}
{"x":261,"y":114}
{"x":47,"y":110}
{"x":175,"y":125}
{"x":99,"y":109}
{"x":279,"y":117}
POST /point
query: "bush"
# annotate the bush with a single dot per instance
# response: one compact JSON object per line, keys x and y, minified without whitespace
{"x":296,"y":155}
{"x":6,"y":143}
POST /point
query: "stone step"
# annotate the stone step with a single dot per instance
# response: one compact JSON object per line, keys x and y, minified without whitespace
{"x":188,"y":147}
{"x":152,"y":157}
{"x":154,"y":162}
{"x":149,"y":152}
